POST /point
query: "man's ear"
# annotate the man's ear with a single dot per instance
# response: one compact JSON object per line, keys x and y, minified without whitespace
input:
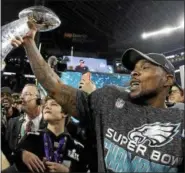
{"x":169,"y":80}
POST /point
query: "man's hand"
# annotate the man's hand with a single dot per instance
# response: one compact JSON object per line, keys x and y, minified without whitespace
{"x":86,"y":84}
{"x":18,"y":41}
{"x":56,"y":167}
{"x":32,"y":162}
{"x":87,"y":87}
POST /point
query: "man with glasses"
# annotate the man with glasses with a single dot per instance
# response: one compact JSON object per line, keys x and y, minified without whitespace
{"x":175,"y":98}
{"x":30,"y":120}
{"x":176,"y":94}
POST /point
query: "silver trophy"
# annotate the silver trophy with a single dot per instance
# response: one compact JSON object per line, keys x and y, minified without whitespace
{"x":44,"y":19}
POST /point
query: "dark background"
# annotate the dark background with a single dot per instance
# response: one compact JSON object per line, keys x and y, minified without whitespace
{"x":110,"y":27}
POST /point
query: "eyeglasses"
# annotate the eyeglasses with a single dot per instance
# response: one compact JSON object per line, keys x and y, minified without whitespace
{"x":175,"y":92}
{"x":28,"y":94}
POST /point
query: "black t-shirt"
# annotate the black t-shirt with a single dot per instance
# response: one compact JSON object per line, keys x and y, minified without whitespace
{"x":16,"y":113}
{"x":129,"y":137}
{"x":81,"y":69}
{"x":72,"y":154}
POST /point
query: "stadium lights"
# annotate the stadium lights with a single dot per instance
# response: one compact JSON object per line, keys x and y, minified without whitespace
{"x":10,"y":74}
{"x":164,"y":31}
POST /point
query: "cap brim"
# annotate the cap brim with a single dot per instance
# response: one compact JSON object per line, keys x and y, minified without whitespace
{"x":131,"y":56}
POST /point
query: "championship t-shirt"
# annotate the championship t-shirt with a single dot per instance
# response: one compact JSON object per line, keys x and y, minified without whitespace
{"x":130,"y":137}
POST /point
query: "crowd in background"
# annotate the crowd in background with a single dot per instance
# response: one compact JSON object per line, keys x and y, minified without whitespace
{"x":19,"y":108}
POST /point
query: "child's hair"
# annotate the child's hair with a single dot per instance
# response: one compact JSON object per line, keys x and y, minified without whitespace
{"x":67,"y":120}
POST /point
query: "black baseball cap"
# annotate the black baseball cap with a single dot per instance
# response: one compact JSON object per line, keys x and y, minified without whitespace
{"x":82,"y":60}
{"x":131,"y":56}
{"x":6,"y":90}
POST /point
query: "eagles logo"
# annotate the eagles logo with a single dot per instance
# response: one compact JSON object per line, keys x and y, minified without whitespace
{"x":156,"y":134}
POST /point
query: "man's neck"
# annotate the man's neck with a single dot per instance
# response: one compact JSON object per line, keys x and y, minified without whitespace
{"x":57,"y":128}
{"x":10,"y":112}
{"x":156,"y":102}
{"x":33,"y":113}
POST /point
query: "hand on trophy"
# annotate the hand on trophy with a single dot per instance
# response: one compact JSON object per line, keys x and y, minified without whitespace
{"x":31,"y":20}
{"x":18,"y":41}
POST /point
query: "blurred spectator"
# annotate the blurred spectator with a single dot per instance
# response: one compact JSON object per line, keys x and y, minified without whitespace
{"x":7,"y":112}
{"x":81,"y":67}
{"x":176,"y":94}
{"x":56,"y":150}
{"x":16,"y":101}
{"x":6,"y":103}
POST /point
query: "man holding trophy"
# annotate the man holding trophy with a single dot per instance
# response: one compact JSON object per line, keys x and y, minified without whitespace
{"x":111,"y":113}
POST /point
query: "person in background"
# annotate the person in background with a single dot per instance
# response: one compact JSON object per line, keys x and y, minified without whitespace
{"x":81,"y":67}
{"x":55,"y":146}
{"x":175,"y":99}
{"x":176,"y":94}
{"x":8,"y":112}
{"x":30,"y":120}
{"x":7,"y":103}
{"x":16,"y":101}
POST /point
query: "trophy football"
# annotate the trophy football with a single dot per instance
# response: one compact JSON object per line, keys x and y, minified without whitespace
{"x":43,"y":18}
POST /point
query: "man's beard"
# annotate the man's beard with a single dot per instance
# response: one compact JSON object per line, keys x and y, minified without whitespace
{"x":143,"y":97}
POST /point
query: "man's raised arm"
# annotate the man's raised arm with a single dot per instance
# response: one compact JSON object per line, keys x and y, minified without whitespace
{"x":63,"y":94}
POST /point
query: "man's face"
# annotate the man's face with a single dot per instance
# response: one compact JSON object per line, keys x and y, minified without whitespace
{"x":147,"y":80}
{"x":28,"y":96}
{"x":52,"y":111}
{"x":6,"y":100}
{"x":175,"y":95}
{"x":82,"y":64}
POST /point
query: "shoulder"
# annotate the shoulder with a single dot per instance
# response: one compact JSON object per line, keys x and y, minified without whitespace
{"x":74,"y":143}
{"x":110,"y":91}
{"x":178,"y":106}
{"x":15,"y":120}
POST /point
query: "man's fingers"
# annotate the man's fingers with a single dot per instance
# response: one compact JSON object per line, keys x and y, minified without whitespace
{"x":31,"y":25}
{"x":14,"y":44}
{"x":49,"y":163}
{"x":30,"y":168}
{"x":50,"y":167}
{"x":39,"y":164}
{"x":34,"y":166}
{"x":19,"y":39}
